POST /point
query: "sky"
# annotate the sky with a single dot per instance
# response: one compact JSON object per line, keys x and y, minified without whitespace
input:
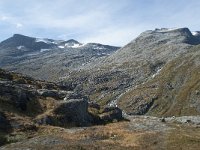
{"x":113,"y":22}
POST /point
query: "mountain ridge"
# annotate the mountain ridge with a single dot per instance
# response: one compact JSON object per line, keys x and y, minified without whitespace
{"x":27,"y":55}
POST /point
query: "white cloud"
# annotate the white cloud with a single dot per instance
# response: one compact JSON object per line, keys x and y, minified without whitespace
{"x":19,"y":25}
{"x":3,"y":18}
{"x":10,"y":21}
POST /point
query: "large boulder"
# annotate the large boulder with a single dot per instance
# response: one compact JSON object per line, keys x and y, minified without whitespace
{"x":109,"y":114}
{"x":73,"y":112}
{"x":15,"y":96}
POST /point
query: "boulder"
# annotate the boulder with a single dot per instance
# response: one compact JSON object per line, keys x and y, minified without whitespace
{"x":109,"y":114}
{"x":74,"y":111}
{"x":22,"y":99}
{"x":69,"y":113}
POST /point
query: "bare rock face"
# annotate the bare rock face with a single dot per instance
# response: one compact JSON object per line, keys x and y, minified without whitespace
{"x":16,"y":96}
{"x":74,"y":111}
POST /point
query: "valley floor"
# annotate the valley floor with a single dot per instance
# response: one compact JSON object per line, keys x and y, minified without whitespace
{"x":140,"y":132}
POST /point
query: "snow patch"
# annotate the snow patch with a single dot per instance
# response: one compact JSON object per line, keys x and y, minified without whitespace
{"x":61,"y":46}
{"x":76,"y":45}
{"x":44,"y":50}
{"x":172,"y":29}
{"x":165,"y":29}
{"x":194,"y":33}
{"x":158,"y":71}
{"x":70,"y":45}
{"x":20,"y":47}
{"x":47,"y":41}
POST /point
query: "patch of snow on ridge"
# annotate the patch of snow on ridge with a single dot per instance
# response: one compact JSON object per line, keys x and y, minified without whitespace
{"x":165,"y":29}
{"x":44,"y":50}
{"x":61,"y":46}
{"x":194,"y":33}
{"x":74,"y":45}
{"x":43,"y":40}
{"x":20,"y":47}
{"x":171,"y":29}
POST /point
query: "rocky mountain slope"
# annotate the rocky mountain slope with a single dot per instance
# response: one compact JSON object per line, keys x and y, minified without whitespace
{"x":157,"y":74}
{"x":174,"y":90}
{"x":46,"y":58}
{"x":147,"y":76}
{"x":26,"y":104}
{"x":139,"y":62}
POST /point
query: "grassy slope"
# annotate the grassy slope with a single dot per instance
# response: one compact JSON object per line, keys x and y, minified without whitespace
{"x":116,"y":136}
{"x":175,"y":89}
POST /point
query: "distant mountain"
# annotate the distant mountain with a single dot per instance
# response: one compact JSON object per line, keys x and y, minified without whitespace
{"x":124,"y":77}
{"x":23,"y":44}
{"x":47,"y":58}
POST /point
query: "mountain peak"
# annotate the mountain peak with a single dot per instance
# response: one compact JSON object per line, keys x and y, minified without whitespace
{"x":172,"y":29}
{"x":21,"y":36}
{"x":180,"y":35}
{"x":72,"y":41}
{"x":179,"y":31}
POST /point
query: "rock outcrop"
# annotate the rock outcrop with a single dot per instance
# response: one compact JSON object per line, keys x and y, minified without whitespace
{"x":73,"y":111}
{"x":110,"y":114}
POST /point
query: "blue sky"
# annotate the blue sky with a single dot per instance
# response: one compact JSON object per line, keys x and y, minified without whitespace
{"x":114,"y":22}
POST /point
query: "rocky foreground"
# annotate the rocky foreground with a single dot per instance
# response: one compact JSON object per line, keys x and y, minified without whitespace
{"x":27,"y":104}
{"x":140,"y":132}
